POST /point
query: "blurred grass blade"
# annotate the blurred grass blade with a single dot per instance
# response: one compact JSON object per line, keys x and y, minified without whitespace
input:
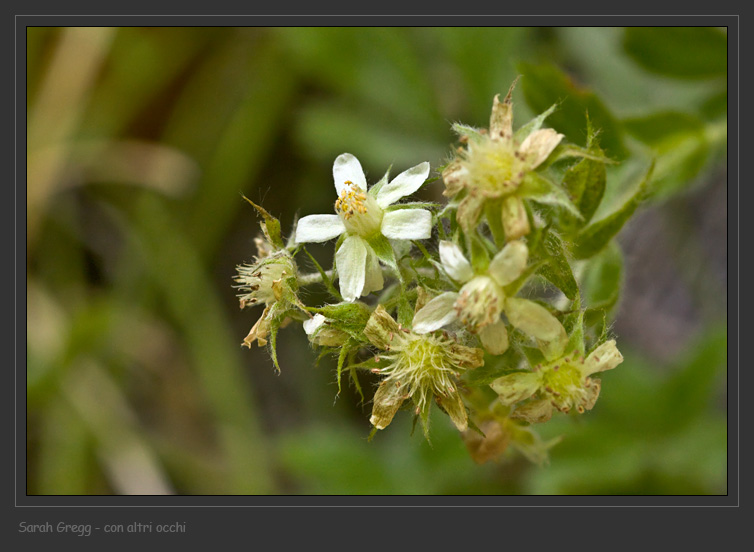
{"x":132,"y":466}
{"x":55,"y":115}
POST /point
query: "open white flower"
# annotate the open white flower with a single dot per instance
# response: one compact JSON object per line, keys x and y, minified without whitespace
{"x":481,"y":300}
{"x":366,"y":217}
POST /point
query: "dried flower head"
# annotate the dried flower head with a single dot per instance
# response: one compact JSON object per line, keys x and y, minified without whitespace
{"x":419,"y":367}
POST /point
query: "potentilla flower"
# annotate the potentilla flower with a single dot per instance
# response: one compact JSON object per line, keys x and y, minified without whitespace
{"x":366,"y":216}
{"x":418,"y":367}
{"x":481,"y":301}
{"x":561,"y":384}
{"x":493,"y":166}
{"x":270,"y":281}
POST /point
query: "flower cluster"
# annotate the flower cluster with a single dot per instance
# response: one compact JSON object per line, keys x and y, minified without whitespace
{"x":488,"y":325}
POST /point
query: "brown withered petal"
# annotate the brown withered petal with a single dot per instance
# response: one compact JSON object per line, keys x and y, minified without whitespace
{"x":469,"y":210}
{"x":454,"y":178}
{"x":465,"y":357}
{"x":485,"y":448}
{"x":453,"y":405}
{"x":501,"y":118}
{"x":592,"y":393}
{"x":534,"y":412}
{"x":387,"y":400}
{"x":259,"y":331}
{"x":382,"y":330}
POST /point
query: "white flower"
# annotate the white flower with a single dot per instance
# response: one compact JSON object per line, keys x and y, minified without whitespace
{"x":366,"y":216}
{"x":481,"y":300}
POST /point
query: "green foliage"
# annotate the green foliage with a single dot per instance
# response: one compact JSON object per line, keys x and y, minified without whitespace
{"x":680,"y":52}
{"x":544,"y":85}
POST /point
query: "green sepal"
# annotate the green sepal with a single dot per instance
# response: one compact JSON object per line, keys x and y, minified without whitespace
{"x":384,"y":251}
{"x":345,"y":352}
{"x":271,"y":226}
{"x":493,"y":368}
{"x":274,"y":327}
{"x":355,"y":379}
{"x":472,"y":133}
{"x":378,"y":186}
{"x":592,"y":239}
{"x":326,"y":281}
{"x":348,"y":317}
{"x":479,"y":252}
{"x":534,"y":125}
{"x":533,"y":355}
{"x":415,"y":205}
{"x":493,"y":213}
{"x":405,"y":310}
{"x":566,"y":151}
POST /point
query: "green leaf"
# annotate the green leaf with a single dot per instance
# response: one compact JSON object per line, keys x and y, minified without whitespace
{"x":544,"y":85}
{"x":658,"y":128}
{"x":680,"y":144}
{"x":592,"y":239}
{"x":585,"y":184}
{"x":541,"y":189}
{"x":558,"y":270}
{"x":681,"y":52}
{"x":692,"y":387}
{"x":603,"y":278}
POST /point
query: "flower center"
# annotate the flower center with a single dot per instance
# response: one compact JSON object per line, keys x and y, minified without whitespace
{"x":422,"y":367}
{"x":565,"y":385}
{"x":479,"y":303}
{"x":359,"y":211}
{"x":257,"y":281}
{"x":494,"y":167}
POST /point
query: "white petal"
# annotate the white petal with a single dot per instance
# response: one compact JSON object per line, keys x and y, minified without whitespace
{"x":437,"y":313}
{"x":495,"y":338}
{"x":454,"y":263}
{"x":350,"y":261}
{"x":311,"y":325}
{"x":348,"y":169}
{"x":509,"y":263}
{"x":373,"y":280}
{"x":319,"y":228}
{"x":538,"y":146}
{"x":533,"y":319}
{"x":605,"y":357}
{"x":407,"y":224}
{"x":402,"y":185}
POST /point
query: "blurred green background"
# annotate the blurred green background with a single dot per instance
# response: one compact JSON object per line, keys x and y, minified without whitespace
{"x":141,"y":142}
